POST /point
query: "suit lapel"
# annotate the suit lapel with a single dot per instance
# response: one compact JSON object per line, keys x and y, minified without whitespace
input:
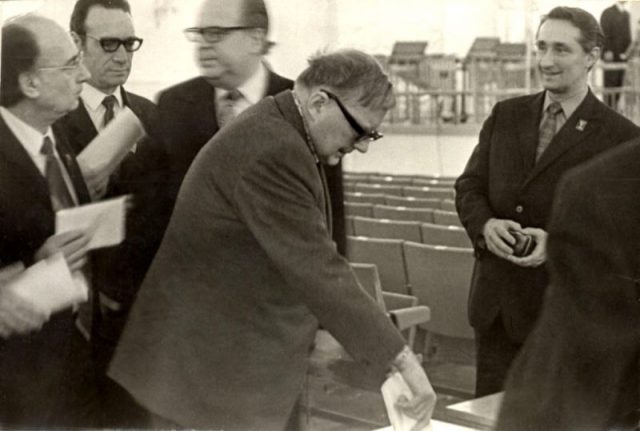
{"x":80,"y":128}
{"x":578,"y":127}
{"x":14,"y":153}
{"x":530,"y":113}
{"x":70,"y":164}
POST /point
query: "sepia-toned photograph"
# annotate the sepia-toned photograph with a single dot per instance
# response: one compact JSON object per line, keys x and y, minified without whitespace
{"x":320,"y":215}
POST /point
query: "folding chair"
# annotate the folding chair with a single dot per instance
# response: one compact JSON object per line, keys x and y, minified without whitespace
{"x":403,"y":213}
{"x":358,"y":209}
{"x":447,"y":218}
{"x":374,"y":198}
{"x":383,"y":228}
{"x":428,"y":192}
{"x":450,"y":236}
{"x":411,"y":202}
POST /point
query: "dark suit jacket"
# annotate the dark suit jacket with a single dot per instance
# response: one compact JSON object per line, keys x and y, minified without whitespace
{"x":188,"y":121}
{"x":502,"y":180}
{"x":34,"y":368}
{"x":579,"y":370}
{"x":616,"y":27}
{"x":119,"y":271}
{"x":220,"y":332}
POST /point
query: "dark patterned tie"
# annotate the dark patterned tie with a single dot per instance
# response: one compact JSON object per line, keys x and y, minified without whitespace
{"x":108,"y":102}
{"x":60,"y":196}
{"x":548,"y":128}
{"x":225,"y":112}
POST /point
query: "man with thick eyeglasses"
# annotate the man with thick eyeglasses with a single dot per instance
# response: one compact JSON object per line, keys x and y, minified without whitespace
{"x":104,"y":31}
{"x":42,"y":77}
{"x":220,"y":333}
{"x":231,"y":41}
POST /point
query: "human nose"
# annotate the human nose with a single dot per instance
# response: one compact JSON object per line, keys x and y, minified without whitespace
{"x":362,"y":146}
{"x":545,"y":58}
{"x":83,"y":73}
{"x":120,"y":54}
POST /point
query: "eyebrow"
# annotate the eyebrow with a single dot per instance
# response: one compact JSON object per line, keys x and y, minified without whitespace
{"x":73,"y":59}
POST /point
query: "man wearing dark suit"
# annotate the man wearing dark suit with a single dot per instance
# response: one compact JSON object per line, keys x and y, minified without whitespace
{"x":580,"y":368}
{"x":231,"y":42}
{"x":104,"y":31}
{"x":42,"y":77}
{"x":508,"y":185}
{"x":616,"y":26}
{"x":249,"y":250}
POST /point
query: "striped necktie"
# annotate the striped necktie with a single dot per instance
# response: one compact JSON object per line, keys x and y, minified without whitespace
{"x":60,"y":196}
{"x":548,"y":128}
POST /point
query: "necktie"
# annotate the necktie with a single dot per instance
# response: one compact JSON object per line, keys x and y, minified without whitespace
{"x":108,"y":102}
{"x":60,"y":196}
{"x":225,"y":112}
{"x":548,"y":128}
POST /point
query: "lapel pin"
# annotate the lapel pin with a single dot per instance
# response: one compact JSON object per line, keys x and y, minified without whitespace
{"x":581,"y":125}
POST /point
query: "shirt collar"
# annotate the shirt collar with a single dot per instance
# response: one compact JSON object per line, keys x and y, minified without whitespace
{"x":253,"y":89}
{"x":30,"y":138}
{"x":92,"y":97}
{"x":569,"y":105}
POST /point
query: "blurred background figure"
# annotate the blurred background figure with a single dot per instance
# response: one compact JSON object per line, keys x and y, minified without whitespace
{"x":616,"y":26}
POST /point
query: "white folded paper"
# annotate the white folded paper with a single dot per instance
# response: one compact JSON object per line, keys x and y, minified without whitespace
{"x":48,"y":285}
{"x":103,"y":154}
{"x":392,"y":389}
{"x":104,"y":221}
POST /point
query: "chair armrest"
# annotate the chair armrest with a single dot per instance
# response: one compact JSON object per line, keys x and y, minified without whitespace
{"x":406,"y":318}
{"x":394,"y":301}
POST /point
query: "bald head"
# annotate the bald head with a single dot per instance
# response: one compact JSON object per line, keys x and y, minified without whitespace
{"x":40,"y":72}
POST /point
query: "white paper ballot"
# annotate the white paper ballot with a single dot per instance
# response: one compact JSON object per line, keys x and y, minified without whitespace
{"x":49,"y":285}
{"x":392,"y":389}
{"x":105,"y":221}
{"x":104,"y":153}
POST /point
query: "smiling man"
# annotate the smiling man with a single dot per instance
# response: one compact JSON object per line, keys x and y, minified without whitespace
{"x":220,"y":332}
{"x":508,"y":185}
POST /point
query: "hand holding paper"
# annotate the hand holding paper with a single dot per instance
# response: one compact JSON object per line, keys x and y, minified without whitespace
{"x":103,"y":222}
{"x":105,"y":152}
{"x":30,"y":296}
{"x":72,"y":244}
{"x":397,"y":394}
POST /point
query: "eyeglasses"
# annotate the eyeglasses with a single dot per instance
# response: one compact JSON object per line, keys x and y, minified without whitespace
{"x":363,"y":134}
{"x":111,"y":44}
{"x":210,"y":34}
{"x":70,"y":66}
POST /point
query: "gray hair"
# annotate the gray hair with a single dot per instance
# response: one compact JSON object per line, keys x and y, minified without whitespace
{"x":351,"y":75}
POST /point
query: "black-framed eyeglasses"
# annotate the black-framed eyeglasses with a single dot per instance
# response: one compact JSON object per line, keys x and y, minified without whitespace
{"x":72,"y":65}
{"x":210,"y":34}
{"x":111,"y":44}
{"x":363,"y":134}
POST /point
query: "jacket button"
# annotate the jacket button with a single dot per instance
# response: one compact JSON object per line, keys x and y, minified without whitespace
{"x":519,"y":209}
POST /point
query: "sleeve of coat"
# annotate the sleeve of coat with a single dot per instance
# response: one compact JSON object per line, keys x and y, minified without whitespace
{"x":472,"y":187}
{"x":275,"y":197}
{"x":583,"y":353}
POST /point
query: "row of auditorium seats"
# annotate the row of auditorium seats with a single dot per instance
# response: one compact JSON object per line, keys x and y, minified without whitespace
{"x":400,"y":201}
{"x":424,"y":215}
{"x":422,"y":192}
{"x":398,"y":179}
{"x":439,"y":276}
{"x":426,"y":233}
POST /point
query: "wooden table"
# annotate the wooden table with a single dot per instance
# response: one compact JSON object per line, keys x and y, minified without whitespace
{"x":481,"y":413}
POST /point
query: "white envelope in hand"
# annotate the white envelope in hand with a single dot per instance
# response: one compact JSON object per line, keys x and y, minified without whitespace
{"x":392,"y":389}
{"x":104,"y":221}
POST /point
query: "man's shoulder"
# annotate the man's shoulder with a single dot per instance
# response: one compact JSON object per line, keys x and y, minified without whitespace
{"x":140,"y":100}
{"x":194,"y":87}
{"x":278,"y":83}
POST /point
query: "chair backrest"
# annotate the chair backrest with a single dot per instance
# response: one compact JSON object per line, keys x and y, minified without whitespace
{"x":383,"y":228}
{"x":411,"y":202}
{"x":448,"y":205}
{"x":433,"y":182}
{"x":374,"y":198}
{"x":451,"y":236}
{"x":424,"y":215}
{"x":387,"y":189}
{"x":386,"y":254}
{"x":447,"y":218}
{"x":440,"y":277}
{"x":367,"y":274}
{"x":428,"y":192}
{"x":358,"y":209}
